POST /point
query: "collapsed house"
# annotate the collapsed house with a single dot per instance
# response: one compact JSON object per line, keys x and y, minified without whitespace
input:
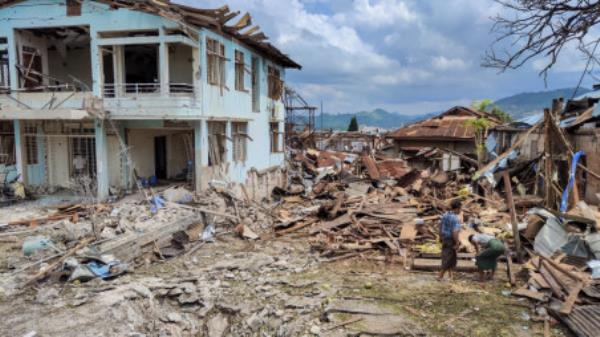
{"x":349,"y":141}
{"x":443,"y":141}
{"x":118,"y":92}
{"x":576,"y":130}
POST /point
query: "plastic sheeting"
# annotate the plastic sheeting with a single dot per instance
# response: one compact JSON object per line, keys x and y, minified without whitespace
{"x":564,"y":202}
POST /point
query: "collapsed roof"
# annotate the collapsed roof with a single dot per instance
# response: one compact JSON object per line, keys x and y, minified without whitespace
{"x":191,"y":18}
{"x":450,"y":125}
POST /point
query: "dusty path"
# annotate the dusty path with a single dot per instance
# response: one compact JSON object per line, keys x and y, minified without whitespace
{"x":268,"y":288}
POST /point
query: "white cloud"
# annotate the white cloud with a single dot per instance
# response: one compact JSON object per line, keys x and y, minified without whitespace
{"x":362,"y":54}
{"x":378,"y":13}
{"x":443,"y":63}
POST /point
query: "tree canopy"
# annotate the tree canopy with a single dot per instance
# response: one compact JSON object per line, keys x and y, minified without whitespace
{"x":353,"y":126}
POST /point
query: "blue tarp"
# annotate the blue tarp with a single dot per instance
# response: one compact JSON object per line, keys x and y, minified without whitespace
{"x":564,"y":202}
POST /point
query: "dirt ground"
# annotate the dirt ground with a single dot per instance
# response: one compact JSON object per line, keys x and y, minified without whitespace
{"x":270,"y":287}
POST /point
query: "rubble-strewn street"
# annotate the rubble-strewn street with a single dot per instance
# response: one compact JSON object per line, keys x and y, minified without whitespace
{"x":274,"y":287}
{"x":166,"y":171}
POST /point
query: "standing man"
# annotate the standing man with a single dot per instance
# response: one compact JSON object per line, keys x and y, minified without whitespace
{"x":487,"y":260}
{"x":449,"y":230}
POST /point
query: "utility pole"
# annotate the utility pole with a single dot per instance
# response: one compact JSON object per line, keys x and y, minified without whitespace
{"x":321,"y":115}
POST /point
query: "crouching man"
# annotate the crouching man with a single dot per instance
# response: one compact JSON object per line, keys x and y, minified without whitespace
{"x":488,"y":250}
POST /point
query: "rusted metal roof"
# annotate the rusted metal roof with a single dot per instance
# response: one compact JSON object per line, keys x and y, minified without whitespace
{"x":191,"y":17}
{"x":584,"y":321}
{"x":449,"y":125}
{"x":395,"y":169}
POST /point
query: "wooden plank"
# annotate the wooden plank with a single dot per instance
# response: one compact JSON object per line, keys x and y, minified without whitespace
{"x":554,"y":286}
{"x":513,"y":215}
{"x":539,"y":279}
{"x":567,"y":306}
{"x":45,"y":271}
{"x":510,"y":270}
{"x":329,"y":225}
{"x":409,"y":231}
{"x":534,"y":295}
{"x":295,"y":227}
{"x":371,"y":167}
{"x":435,"y":264}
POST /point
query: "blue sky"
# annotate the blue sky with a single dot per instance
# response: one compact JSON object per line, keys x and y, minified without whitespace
{"x":406,"y":56}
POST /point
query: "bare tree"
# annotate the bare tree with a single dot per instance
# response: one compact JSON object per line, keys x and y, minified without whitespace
{"x":542,"y":28}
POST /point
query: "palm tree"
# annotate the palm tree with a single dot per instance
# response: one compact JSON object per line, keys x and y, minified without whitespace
{"x":479,"y":126}
{"x":485,"y":104}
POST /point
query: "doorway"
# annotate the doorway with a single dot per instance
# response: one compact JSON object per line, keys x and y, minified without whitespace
{"x":160,"y":157}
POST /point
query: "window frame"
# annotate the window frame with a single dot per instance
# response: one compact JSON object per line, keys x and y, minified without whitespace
{"x":239,"y":135}
{"x":274,"y":83}
{"x":215,"y":62}
{"x":274,"y":137}
{"x":240,"y":69}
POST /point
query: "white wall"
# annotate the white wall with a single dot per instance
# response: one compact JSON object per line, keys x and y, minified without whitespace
{"x":58,"y":161}
{"x":141,"y":143}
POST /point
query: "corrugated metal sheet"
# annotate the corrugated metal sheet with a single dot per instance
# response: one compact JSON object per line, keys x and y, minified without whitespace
{"x":552,"y":236}
{"x":584,"y":321}
{"x":449,"y":125}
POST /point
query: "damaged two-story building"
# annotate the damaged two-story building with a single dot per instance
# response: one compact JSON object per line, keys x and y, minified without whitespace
{"x":114,"y":92}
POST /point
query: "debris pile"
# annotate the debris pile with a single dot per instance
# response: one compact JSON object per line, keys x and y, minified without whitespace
{"x":80,"y":242}
{"x":366,"y":206}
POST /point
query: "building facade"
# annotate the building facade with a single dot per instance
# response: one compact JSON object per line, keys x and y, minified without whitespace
{"x":114,"y":92}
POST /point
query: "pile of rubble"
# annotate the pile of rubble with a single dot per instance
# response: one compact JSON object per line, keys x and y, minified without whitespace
{"x":80,"y":242}
{"x":364,"y":206}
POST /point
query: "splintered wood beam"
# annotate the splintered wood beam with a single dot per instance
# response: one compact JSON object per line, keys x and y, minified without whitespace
{"x":258,"y":37}
{"x":251,"y":31}
{"x":227,"y":17}
{"x":243,"y":22}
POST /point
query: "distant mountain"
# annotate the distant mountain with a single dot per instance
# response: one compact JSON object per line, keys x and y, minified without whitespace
{"x":528,"y":103}
{"x":518,"y":106}
{"x":379,"y":118}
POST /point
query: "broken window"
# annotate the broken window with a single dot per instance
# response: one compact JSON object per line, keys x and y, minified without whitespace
{"x":239,"y":71}
{"x":4,"y":79}
{"x":31,"y":145}
{"x":83,"y":156}
{"x":7,"y":143}
{"x":275,"y":83}
{"x":239,"y":132}
{"x":31,"y":67}
{"x":215,"y":55}
{"x":274,"y":132}
{"x":255,"y":86}
{"x":73,"y":8}
{"x":216,"y":143}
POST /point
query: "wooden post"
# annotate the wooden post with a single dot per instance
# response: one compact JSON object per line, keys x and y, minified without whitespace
{"x":513,"y":214}
{"x":548,"y":191}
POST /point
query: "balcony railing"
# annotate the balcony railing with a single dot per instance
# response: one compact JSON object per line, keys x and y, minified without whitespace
{"x":137,"y":89}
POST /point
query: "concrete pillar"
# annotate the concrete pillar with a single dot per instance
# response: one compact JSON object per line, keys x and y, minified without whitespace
{"x":19,"y":153}
{"x":228,"y":143}
{"x":101,"y":160}
{"x":163,"y":60}
{"x":12,"y":61}
{"x":119,"y":70}
{"x":200,"y":152}
{"x":197,"y":73}
{"x":96,"y":58}
{"x":125,"y":157}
